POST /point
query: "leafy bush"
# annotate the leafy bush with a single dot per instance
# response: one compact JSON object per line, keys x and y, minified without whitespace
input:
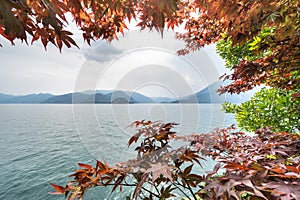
{"x":265,"y":166}
{"x":234,"y":54}
{"x":267,"y":108}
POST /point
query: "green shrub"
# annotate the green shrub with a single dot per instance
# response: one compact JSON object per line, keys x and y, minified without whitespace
{"x":267,"y":108}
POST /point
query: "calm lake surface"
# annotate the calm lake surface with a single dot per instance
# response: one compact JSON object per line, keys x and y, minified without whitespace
{"x":43,"y":143}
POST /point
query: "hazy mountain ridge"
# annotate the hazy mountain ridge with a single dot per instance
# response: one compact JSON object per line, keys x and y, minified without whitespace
{"x":206,"y":95}
{"x":118,"y":97}
{"x":210,"y":95}
{"x":30,"y":98}
{"x":4,"y":97}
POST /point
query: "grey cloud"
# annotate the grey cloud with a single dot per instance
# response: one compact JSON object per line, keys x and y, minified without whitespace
{"x":133,"y":40}
{"x":105,"y":52}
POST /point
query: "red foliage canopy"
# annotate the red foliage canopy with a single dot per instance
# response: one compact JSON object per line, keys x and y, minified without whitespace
{"x":205,"y":23}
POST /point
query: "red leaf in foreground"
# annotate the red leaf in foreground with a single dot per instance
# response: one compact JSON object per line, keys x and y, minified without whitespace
{"x":294,"y":169}
{"x":284,"y":190}
{"x":86,"y":166}
{"x":159,"y":169}
{"x":58,"y":189}
{"x":132,"y":139}
{"x":215,"y":170}
{"x":140,"y":185}
{"x":118,"y":182}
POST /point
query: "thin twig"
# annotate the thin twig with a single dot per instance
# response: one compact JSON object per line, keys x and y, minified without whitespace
{"x":156,"y":195}
{"x":155,"y":187}
{"x":190,"y":189}
{"x":181,"y":190}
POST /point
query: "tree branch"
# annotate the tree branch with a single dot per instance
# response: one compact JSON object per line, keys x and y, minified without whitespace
{"x":156,"y":195}
{"x":190,"y":189}
{"x":181,"y":190}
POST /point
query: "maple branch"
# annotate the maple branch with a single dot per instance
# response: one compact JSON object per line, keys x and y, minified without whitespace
{"x":104,"y":12}
{"x":156,"y":195}
{"x":155,"y":187}
{"x":190,"y":189}
{"x":121,"y":184}
{"x":142,"y":193}
{"x":134,"y":185}
{"x":181,"y":190}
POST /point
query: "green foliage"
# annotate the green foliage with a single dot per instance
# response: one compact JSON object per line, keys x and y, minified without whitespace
{"x":246,"y":196}
{"x":233,"y":54}
{"x":274,"y":108}
{"x":267,"y":108}
{"x":264,"y":53}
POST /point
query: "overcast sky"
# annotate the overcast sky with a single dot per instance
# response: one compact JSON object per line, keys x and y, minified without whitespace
{"x":139,"y":61}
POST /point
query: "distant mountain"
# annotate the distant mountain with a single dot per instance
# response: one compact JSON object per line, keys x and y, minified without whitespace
{"x":133,"y":96}
{"x":4,"y":97}
{"x":89,"y":92}
{"x":31,"y":98}
{"x":210,"y":95}
{"x":206,"y":95}
{"x":117,"y":97}
{"x":69,"y":98}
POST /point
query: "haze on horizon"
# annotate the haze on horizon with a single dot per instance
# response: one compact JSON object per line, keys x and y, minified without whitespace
{"x":141,"y":61}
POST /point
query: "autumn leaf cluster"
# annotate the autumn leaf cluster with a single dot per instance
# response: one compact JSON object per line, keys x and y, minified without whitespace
{"x":204,"y":22}
{"x":265,"y":166}
{"x":46,"y":20}
{"x":260,"y":43}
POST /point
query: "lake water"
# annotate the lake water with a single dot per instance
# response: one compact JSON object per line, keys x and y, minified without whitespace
{"x":43,"y":143}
